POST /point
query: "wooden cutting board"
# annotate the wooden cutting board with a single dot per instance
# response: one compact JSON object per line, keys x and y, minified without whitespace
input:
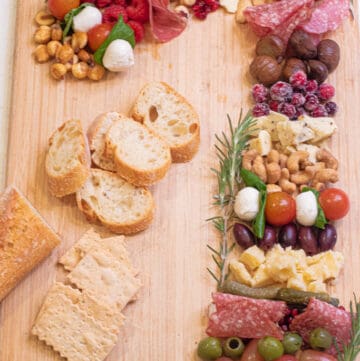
{"x":209,"y":65}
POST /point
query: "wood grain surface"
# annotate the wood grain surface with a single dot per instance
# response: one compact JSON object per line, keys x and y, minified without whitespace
{"x":209,"y":65}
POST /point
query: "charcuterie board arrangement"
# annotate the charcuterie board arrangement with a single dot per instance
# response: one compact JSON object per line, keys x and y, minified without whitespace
{"x":240,"y":229}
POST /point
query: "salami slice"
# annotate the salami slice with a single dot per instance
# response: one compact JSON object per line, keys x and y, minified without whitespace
{"x":245,"y":317}
{"x":165,"y":23}
{"x":321,"y":314}
{"x":327,"y":16}
{"x":279,"y":18}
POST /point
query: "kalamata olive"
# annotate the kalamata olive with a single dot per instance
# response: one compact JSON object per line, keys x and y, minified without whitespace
{"x":329,"y":53}
{"x":269,"y":239}
{"x":291,"y":66}
{"x":327,"y":238}
{"x":317,"y":70}
{"x":265,"y":69}
{"x":307,"y":240}
{"x":270,"y":45}
{"x":288,"y":235}
{"x":303,"y":45}
{"x":243,"y":236}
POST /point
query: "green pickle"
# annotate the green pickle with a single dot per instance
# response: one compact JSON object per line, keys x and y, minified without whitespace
{"x":233,"y":347}
{"x":236,"y":288}
{"x":209,"y":348}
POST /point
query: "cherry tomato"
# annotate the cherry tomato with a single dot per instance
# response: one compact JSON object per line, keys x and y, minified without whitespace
{"x":311,"y":355}
{"x":280,"y":208}
{"x":59,"y":8}
{"x":335,"y":203}
{"x":251,"y":352}
{"x":287,"y":358}
{"x":98,"y":34}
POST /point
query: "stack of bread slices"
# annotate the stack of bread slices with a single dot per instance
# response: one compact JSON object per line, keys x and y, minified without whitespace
{"x":111,"y":168}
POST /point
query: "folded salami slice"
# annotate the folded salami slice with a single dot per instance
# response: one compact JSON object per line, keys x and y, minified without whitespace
{"x":321,"y":314}
{"x":165,"y":23}
{"x":245,"y":317}
{"x":326,"y":16}
{"x":279,"y":18}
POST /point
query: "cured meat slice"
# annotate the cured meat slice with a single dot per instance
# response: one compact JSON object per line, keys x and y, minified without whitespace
{"x":321,"y":314}
{"x":165,"y":23}
{"x":279,"y":18}
{"x":326,"y":16}
{"x":245,"y":317}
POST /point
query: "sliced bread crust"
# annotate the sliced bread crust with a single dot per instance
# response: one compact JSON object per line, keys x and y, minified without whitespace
{"x":163,"y":110}
{"x":96,"y":136}
{"x":117,"y":204}
{"x":141,"y":157}
{"x":68,"y":159}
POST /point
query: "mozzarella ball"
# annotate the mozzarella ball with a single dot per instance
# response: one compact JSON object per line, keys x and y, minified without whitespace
{"x":306,"y":208}
{"x":119,"y":56}
{"x":247,"y":203}
{"x":87,"y":19}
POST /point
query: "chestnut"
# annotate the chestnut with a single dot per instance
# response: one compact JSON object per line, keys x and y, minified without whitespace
{"x":291,"y":66}
{"x":271,"y":45}
{"x":329,"y":53}
{"x":317,"y":70}
{"x":265,"y":70}
{"x":303,"y":45}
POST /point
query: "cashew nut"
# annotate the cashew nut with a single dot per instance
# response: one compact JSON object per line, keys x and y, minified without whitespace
{"x":304,"y":176}
{"x":273,"y":156}
{"x":284,"y":183}
{"x":273,"y":171}
{"x":271,"y":188}
{"x":326,"y":175}
{"x":259,"y":168}
{"x":296,"y":159}
{"x":325,"y":156}
{"x":248,"y":159}
{"x":283,"y":160}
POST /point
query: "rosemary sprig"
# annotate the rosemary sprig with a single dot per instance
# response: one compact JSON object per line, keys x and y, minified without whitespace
{"x":228,"y":151}
{"x":352,"y":349}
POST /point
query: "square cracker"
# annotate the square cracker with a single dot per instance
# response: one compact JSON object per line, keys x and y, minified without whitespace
{"x":66,"y":327}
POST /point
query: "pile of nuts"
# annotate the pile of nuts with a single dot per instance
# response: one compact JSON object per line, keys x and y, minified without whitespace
{"x":293,"y":172}
{"x":69,"y":55}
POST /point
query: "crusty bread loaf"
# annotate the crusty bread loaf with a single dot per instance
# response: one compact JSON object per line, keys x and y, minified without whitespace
{"x":170,"y":115}
{"x":25,"y":239}
{"x":141,"y":157}
{"x":96,"y":136}
{"x":117,"y":204}
{"x":68,"y":159}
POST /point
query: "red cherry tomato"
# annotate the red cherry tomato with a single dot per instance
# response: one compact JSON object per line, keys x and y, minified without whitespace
{"x":98,"y":34}
{"x":59,"y":8}
{"x":280,"y":208}
{"x":251,"y":352}
{"x":335,"y":203}
{"x":311,"y":355}
{"x":287,"y":358}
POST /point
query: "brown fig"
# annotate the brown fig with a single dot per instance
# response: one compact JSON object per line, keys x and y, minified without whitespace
{"x":271,"y":45}
{"x":317,"y":70}
{"x":303,"y":45}
{"x":291,"y":66}
{"x":265,"y":70}
{"x":329,"y":53}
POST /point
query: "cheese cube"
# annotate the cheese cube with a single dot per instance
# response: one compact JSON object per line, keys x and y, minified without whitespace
{"x":297,"y":283}
{"x":333,"y":263}
{"x":315,"y":272}
{"x":261,"y":277}
{"x":268,"y":123}
{"x":262,"y":144}
{"x":316,"y":286}
{"x":280,"y":267}
{"x":252,"y":258}
{"x":293,"y":132}
{"x":322,"y":128}
{"x":240,"y":273}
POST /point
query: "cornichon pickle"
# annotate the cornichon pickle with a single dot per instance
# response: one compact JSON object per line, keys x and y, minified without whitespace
{"x":302,"y":297}
{"x":236,"y":288}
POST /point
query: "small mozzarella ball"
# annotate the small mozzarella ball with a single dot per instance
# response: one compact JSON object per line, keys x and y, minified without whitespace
{"x":306,"y":208}
{"x":247,"y":203}
{"x":87,"y":19}
{"x":119,"y":56}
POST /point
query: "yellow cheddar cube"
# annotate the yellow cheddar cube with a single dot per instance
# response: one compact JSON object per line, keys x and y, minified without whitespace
{"x":240,"y":273}
{"x":252,"y":258}
{"x":261,"y":277}
{"x":280,"y":265}
{"x":297,"y":283}
{"x":315,"y":272}
{"x":333,"y":263}
{"x":316,"y":286}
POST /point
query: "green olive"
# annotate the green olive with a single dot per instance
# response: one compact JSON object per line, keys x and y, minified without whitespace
{"x":320,"y":339}
{"x":233,"y":347}
{"x":270,"y":348}
{"x":209,"y":348}
{"x":292,"y":343}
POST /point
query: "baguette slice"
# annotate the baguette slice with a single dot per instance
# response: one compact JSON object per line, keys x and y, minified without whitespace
{"x":117,"y":204}
{"x":141,"y":157}
{"x":25,"y":239}
{"x":68,"y":159}
{"x":171,"y":116}
{"x":96,"y":136}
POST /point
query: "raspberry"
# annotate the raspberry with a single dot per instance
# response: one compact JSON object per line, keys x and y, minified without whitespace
{"x":311,"y":86}
{"x":119,"y":2}
{"x":202,"y":8}
{"x":298,"y":80}
{"x":281,"y":91}
{"x":311,"y":102}
{"x":260,"y":109}
{"x":138,"y":10}
{"x":289,"y":110}
{"x":138,"y":28}
{"x":112,"y":13}
{"x":275,"y":105}
{"x":259,"y":93}
{"x":331,"y":108}
{"x":103,"y":3}
{"x":326,"y":91}
{"x":297,"y":99}
{"x":319,"y":111}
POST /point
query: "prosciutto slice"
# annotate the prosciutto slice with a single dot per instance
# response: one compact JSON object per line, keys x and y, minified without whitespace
{"x":165,"y":23}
